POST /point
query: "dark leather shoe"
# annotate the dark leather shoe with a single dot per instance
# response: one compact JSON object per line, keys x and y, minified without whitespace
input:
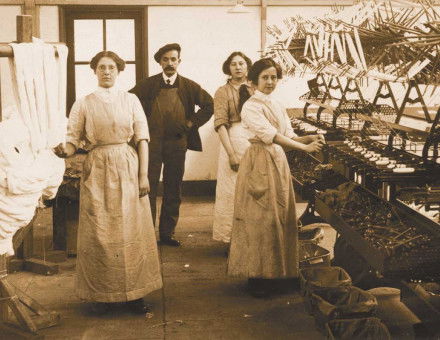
{"x":138,"y":306}
{"x":169,"y":241}
{"x":259,"y":293}
{"x":258,"y":288}
{"x":99,"y":308}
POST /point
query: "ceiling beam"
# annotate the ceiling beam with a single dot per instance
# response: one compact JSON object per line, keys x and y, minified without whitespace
{"x":147,"y":2}
{"x":12,"y":2}
{"x":184,"y":2}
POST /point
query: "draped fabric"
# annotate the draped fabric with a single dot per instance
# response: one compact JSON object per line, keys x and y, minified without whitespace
{"x":28,"y":167}
{"x":39,"y":84}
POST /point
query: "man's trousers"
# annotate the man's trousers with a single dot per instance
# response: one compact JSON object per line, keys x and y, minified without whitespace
{"x":171,"y":153}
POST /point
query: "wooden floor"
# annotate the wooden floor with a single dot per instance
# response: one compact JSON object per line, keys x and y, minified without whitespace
{"x":198,"y":300}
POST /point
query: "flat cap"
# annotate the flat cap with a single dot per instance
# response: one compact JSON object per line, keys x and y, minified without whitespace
{"x":165,"y":49}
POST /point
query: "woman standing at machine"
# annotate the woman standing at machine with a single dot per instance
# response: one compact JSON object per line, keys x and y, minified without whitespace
{"x":117,"y":257}
{"x":264,"y":242}
{"x":233,"y":141}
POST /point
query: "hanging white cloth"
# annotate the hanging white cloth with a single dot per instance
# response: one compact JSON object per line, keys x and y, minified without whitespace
{"x":29,"y":169}
{"x":39,"y":84}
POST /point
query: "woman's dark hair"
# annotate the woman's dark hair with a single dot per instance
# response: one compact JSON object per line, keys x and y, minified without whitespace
{"x":243,"y":96}
{"x":261,"y":65}
{"x":227,"y":64}
{"x":120,"y":63}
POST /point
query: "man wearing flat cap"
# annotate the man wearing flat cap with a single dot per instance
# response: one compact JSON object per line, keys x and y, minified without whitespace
{"x":169,"y":102}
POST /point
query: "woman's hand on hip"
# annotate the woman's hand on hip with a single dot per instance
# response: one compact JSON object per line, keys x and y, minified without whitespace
{"x":234,"y":162}
{"x":144,"y":185}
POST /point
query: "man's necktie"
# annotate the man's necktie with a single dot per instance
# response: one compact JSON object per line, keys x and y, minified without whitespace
{"x":168,"y":82}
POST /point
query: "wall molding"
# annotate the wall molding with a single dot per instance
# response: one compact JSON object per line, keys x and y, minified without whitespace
{"x":12,"y":2}
{"x":181,"y":2}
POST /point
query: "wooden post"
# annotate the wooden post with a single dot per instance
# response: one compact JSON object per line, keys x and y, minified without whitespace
{"x":4,"y":312}
{"x":24,"y":34}
{"x":24,"y":28}
{"x":263,"y":24}
{"x":30,"y":8}
{"x":1,"y":117}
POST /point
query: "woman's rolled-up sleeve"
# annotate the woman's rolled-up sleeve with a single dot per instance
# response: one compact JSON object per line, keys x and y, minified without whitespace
{"x":221,"y":109}
{"x":253,"y":118}
{"x":76,"y":124}
{"x":140,"y":124}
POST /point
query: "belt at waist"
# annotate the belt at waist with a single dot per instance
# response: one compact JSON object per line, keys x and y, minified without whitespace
{"x":108,"y":145}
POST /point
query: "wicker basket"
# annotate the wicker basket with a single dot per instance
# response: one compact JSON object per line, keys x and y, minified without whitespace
{"x":320,"y":277}
{"x":341,"y":303}
{"x":357,"y":329}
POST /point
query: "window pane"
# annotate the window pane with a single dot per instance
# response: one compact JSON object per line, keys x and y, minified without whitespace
{"x":85,"y":80}
{"x":120,"y":38}
{"x":127,"y":78}
{"x":88,"y":39}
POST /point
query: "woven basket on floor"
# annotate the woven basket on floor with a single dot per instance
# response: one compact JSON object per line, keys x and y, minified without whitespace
{"x":357,"y":329}
{"x":319,"y":277}
{"x":341,"y":303}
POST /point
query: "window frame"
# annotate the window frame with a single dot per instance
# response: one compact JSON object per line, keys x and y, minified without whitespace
{"x":71,"y":13}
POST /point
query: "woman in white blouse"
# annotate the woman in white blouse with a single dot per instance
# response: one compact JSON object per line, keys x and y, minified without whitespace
{"x":117,"y":257}
{"x":264,"y":241}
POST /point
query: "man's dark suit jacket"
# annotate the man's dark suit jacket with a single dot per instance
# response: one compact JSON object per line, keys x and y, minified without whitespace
{"x":190,"y":93}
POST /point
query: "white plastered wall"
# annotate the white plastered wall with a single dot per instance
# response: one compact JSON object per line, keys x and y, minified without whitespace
{"x":8,"y":33}
{"x":49,"y":24}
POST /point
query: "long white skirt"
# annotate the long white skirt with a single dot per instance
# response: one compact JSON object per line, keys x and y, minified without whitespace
{"x":264,"y":241}
{"x":225,"y":190}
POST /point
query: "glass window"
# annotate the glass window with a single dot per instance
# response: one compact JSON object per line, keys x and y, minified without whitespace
{"x":91,"y":31}
{"x":120,"y":38}
{"x":88,"y":35}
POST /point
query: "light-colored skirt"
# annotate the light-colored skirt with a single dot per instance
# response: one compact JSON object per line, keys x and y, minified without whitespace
{"x":264,"y":241}
{"x":225,"y":190}
{"x":117,"y":258}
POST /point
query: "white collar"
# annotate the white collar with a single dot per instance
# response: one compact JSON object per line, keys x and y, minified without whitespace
{"x":110,"y":90}
{"x":172,"y":79}
{"x":262,"y":96}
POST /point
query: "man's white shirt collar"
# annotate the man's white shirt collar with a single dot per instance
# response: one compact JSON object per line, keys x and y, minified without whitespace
{"x":172,"y":79}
